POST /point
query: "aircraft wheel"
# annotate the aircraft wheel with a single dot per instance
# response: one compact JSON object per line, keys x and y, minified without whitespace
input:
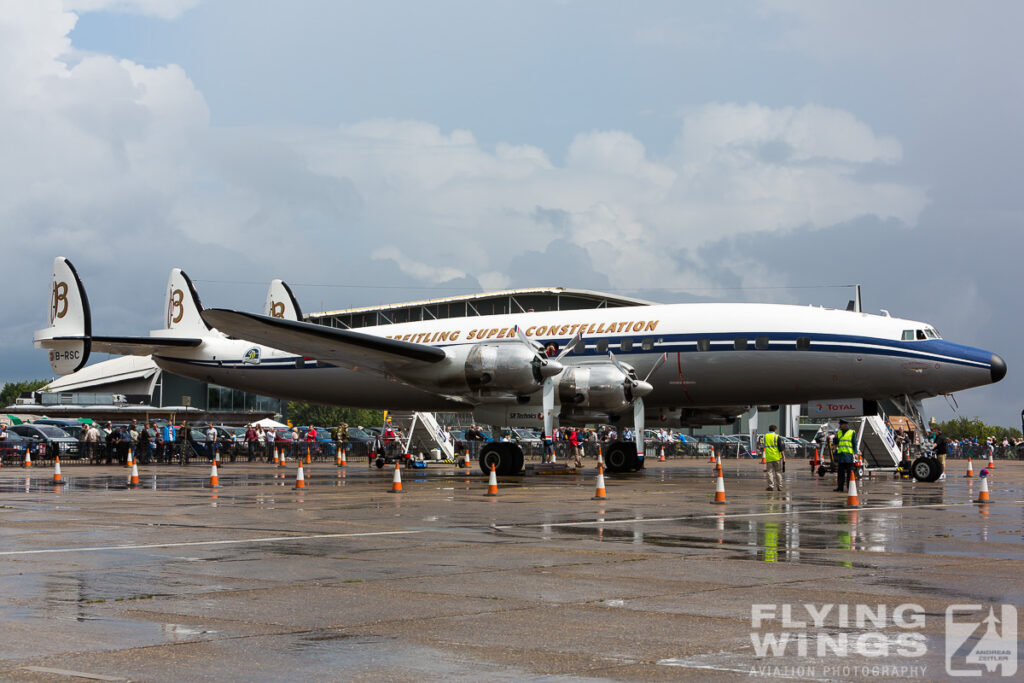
{"x":492,"y":454}
{"x":620,"y":457}
{"x":512,"y":460}
{"x":926,"y":469}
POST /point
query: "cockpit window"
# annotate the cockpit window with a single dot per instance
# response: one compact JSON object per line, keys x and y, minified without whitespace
{"x":932,"y":333}
{"x":908,"y":335}
{"x":920,"y":335}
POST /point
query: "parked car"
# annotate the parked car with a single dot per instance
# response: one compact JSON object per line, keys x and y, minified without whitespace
{"x":52,"y":439}
{"x":74,"y":428}
{"x":12,"y":447}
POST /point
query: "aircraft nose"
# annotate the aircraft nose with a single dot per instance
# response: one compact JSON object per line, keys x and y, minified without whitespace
{"x":997,"y":368}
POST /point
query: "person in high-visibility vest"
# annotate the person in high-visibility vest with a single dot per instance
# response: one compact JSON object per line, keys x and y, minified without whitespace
{"x":774,"y":456}
{"x":845,"y":447}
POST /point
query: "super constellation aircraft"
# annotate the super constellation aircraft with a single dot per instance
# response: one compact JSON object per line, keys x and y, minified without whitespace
{"x":691,"y":363}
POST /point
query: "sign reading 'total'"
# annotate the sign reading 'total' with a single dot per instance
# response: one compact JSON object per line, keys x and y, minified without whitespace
{"x":836,"y":407}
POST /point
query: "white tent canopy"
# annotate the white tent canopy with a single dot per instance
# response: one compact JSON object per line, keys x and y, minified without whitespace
{"x":267,"y":422}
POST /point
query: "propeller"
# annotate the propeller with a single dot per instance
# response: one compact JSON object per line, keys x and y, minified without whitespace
{"x":543,"y":366}
{"x":546,"y":368}
{"x":637,"y":389}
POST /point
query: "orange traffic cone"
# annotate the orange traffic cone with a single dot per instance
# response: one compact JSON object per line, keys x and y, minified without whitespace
{"x":816,"y":462}
{"x":492,"y":483}
{"x":661,"y":458}
{"x":852,"y":501}
{"x":128,"y":463}
{"x":300,"y":478}
{"x":309,"y":456}
{"x":712,"y":460}
{"x":133,"y":478}
{"x":284,"y":458}
{"x":991,"y":463}
{"x":214,"y":481}
{"x":396,"y":481}
{"x":57,"y":479}
{"x":28,"y":458}
{"x":983,"y":493}
{"x":341,"y":457}
{"x":719,"y":487}
{"x":970,"y":468}
{"x":468,"y":460}
{"x":599,"y":494}
{"x":277,"y":460}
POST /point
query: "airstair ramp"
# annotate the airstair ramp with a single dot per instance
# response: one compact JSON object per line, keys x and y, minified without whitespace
{"x":423,"y":427}
{"x":877,"y":446}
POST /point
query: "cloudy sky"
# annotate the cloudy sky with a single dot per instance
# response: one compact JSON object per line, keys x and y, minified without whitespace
{"x":371,"y":152}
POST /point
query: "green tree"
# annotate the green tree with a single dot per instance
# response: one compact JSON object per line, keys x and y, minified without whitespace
{"x":301,"y":413}
{"x":974,"y":428}
{"x":13,"y":390}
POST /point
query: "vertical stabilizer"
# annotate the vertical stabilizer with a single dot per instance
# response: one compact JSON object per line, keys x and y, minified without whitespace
{"x":281,"y":302}
{"x":183,"y":306}
{"x":70,"y":323}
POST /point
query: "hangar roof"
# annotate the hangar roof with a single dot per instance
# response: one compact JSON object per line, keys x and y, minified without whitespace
{"x":486,"y":303}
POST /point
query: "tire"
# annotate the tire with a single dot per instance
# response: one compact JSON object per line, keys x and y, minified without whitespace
{"x":926,"y":469}
{"x":512,"y":460}
{"x":822,"y":470}
{"x":379,"y":462}
{"x":491,"y":454}
{"x":621,"y":457}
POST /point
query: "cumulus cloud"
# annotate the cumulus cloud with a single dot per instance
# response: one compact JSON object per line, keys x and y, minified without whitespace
{"x":109,"y":161}
{"x":166,"y":9}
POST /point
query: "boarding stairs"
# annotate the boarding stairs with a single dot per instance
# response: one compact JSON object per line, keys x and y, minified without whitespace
{"x":877,"y":446}
{"x":422,"y":428}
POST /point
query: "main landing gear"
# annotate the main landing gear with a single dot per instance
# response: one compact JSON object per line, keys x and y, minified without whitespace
{"x":620,"y":456}
{"x":506,"y":457}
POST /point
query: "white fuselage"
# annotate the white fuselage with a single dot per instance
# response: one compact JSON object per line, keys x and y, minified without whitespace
{"x":718,"y":355}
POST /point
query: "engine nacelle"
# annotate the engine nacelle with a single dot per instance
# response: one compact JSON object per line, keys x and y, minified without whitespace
{"x":600,"y":387}
{"x":498,"y":369}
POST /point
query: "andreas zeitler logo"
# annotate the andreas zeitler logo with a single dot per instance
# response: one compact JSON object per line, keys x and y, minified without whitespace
{"x":978,"y":644}
{"x":886,"y":641}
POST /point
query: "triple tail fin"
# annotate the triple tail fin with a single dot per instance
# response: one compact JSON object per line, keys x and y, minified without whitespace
{"x":183,"y":309}
{"x":281,"y":302}
{"x":70,"y":321}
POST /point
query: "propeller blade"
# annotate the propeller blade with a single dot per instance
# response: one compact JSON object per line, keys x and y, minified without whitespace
{"x":657,"y":365}
{"x":571,"y":346}
{"x":526,"y":340}
{"x":548,"y":397}
{"x":638,"y":426}
{"x":615,"y":361}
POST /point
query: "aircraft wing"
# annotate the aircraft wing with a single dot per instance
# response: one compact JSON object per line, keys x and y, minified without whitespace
{"x":347,"y":348}
{"x":141,"y":346}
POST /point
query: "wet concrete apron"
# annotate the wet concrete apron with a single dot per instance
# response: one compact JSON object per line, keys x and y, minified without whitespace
{"x":343,"y":580}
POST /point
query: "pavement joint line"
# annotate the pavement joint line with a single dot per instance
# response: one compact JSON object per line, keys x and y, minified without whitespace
{"x":634,"y":520}
{"x":239,"y":541}
{"x":72,"y":674}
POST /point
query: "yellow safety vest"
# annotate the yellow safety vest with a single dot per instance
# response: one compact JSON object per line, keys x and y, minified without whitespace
{"x":844,"y":443}
{"x":772,"y":452}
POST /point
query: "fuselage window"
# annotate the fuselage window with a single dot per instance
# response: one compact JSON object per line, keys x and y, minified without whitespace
{"x":647,"y":344}
{"x":920,"y":335}
{"x":803,"y":343}
{"x":740,"y":343}
{"x":602,"y":346}
{"x":703,"y":344}
{"x":908,"y":335}
{"x":626,"y":344}
{"x":761,"y":343}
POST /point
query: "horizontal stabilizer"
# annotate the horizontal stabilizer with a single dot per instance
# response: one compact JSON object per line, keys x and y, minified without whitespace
{"x":142,"y":346}
{"x":355,"y":350}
